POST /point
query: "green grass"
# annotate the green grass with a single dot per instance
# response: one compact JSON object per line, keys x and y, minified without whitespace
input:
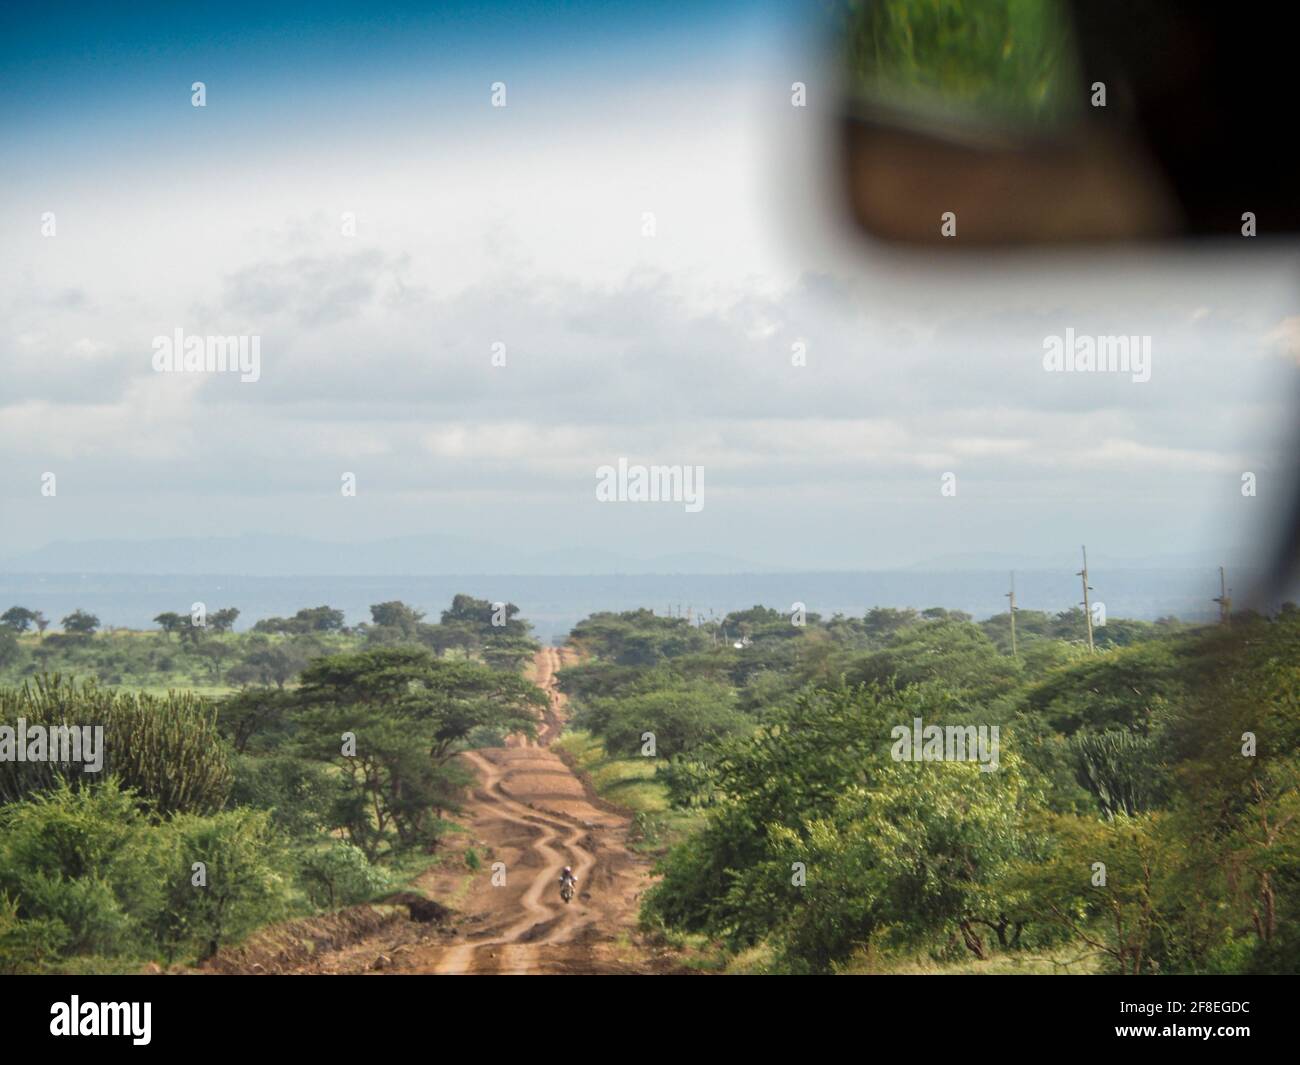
{"x":1074,"y":959}
{"x":631,"y":784}
{"x":148,"y":660}
{"x":628,"y":782}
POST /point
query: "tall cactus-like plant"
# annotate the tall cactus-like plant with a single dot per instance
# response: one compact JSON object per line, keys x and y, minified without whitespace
{"x":166,"y":748}
{"x":1121,"y":769}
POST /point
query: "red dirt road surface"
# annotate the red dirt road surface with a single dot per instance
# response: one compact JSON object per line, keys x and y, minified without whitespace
{"x":533,"y":814}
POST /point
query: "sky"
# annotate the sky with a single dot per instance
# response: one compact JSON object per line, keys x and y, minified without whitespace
{"x":647,"y":230}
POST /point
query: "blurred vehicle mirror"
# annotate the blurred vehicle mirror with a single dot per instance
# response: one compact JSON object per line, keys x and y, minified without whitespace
{"x":1012,"y":122}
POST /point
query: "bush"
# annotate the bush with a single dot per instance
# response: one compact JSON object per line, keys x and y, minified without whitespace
{"x":340,"y":875}
{"x":243,"y":882}
{"x":683,"y":718}
{"x":83,"y":865}
{"x":10,"y":651}
{"x":25,"y":944}
{"x":299,"y":794}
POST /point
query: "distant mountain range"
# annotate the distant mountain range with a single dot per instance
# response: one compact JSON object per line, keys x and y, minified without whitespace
{"x":1234,"y":558}
{"x":269,"y":556}
{"x":439,"y":555}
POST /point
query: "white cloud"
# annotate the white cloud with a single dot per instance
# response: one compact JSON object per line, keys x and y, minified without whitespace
{"x":376,"y":348}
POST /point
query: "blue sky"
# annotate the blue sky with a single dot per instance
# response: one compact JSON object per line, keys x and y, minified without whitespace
{"x":75,"y":62}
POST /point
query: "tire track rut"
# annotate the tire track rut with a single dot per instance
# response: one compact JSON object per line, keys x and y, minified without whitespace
{"x":530,"y":811}
{"x":531,"y":807}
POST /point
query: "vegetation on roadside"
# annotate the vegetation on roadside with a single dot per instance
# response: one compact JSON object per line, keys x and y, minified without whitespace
{"x":201,"y":652}
{"x":630,"y":783}
{"x":1143,"y":815}
{"x":1137,"y":809}
{"x":324,"y":780}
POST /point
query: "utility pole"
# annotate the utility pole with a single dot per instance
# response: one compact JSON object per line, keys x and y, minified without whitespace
{"x":1011,"y":595}
{"x":1224,"y":600}
{"x":1087,"y":607}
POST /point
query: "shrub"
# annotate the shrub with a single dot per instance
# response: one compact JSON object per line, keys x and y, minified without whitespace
{"x":340,"y":875}
{"x":243,"y":881}
{"x":82,"y":864}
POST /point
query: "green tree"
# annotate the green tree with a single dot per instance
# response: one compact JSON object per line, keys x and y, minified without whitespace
{"x":223,"y":620}
{"x":884,"y":621}
{"x":319,"y":619}
{"x":18,"y":618}
{"x":255,"y":713}
{"x":636,"y":637}
{"x":1104,"y":883}
{"x":301,"y":795}
{"x":396,"y":615}
{"x":919,"y":854}
{"x":408,"y":712}
{"x":956,"y":654}
{"x":683,"y":717}
{"x":80,"y":623}
{"x":170,"y":621}
{"x":917,"y":849}
{"x":271,"y":663}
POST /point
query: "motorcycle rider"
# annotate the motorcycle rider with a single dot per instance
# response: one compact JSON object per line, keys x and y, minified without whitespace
{"x":567,"y":878}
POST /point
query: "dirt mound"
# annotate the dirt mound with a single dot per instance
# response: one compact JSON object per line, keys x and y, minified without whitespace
{"x":292,"y":945}
{"x":420,"y":909}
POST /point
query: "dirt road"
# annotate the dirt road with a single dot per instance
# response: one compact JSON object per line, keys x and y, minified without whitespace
{"x":535,"y":817}
{"x":529,"y":816}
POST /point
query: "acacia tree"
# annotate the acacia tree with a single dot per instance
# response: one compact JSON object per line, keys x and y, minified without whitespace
{"x":396,"y":615}
{"x":80,"y":623}
{"x":254,"y":712}
{"x":407,"y":713}
{"x":217,"y":654}
{"x":18,"y":618}
{"x":170,"y":621}
{"x":223,"y":620}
